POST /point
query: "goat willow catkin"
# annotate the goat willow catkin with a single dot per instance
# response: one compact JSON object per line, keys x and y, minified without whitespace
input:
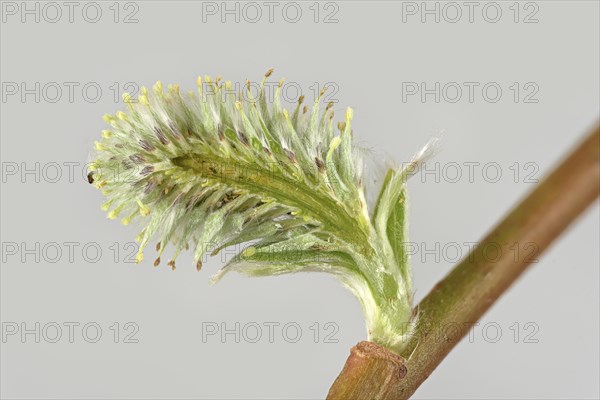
{"x":218,"y":168}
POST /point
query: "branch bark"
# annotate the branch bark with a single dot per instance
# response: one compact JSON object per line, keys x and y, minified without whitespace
{"x":371,"y":372}
{"x":469,"y":290}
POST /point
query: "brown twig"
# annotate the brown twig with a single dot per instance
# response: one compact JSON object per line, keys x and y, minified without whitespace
{"x":371,"y":371}
{"x":466,"y":293}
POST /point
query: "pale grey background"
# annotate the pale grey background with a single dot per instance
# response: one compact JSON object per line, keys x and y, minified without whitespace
{"x":368,"y":54}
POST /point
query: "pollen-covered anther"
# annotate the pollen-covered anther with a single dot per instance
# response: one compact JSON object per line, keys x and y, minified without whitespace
{"x":301,"y":99}
{"x":199,"y":84}
{"x":157,"y":261}
{"x":158,"y":88}
{"x":143,"y":99}
{"x":199,"y":265}
{"x":349,"y":114}
{"x":144,"y":209}
{"x":158,"y":246}
{"x":113,"y":214}
{"x":139,"y":257}
{"x":173,"y":89}
{"x":269,"y":72}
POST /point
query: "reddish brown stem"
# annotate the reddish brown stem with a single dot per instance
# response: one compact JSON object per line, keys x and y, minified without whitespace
{"x":371,"y":371}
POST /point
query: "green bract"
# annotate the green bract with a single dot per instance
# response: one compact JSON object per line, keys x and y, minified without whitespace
{"x":221,"y":168}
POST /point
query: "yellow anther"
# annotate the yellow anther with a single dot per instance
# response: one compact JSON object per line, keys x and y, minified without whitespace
{"x":114,"y":214}
{"x":199,"y":83}
{"x":144,"y":209}
{"x":158,"y":88}
{"x":139,"y":237}
{"x":349,"y":114}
